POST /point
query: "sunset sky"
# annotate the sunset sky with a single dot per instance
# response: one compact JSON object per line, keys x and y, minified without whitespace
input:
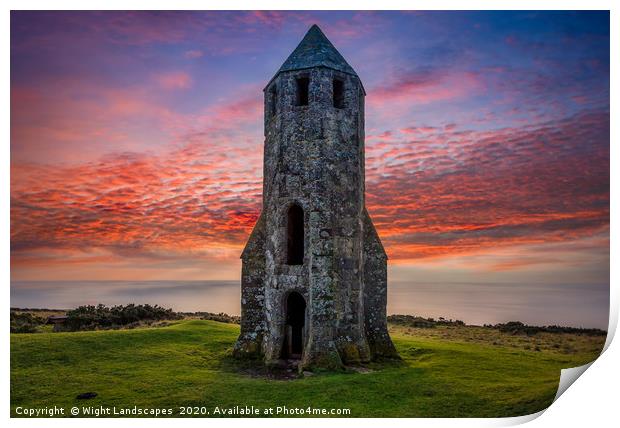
{"x":136,"y":141}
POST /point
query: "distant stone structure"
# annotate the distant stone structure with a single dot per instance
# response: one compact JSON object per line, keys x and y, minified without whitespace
{"x":314,"y":272}
{"x":58,"y":321}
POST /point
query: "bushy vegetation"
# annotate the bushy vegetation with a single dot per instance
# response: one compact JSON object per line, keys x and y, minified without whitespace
{"x":517,"y":327}
{"x":221,"y":317}
{"x":420,"y":322}
{"x":24,"y":322}
{"x":103,"y":317}
{"x":129,"y":316}
{"x":512,"y":327}
{"x":46,"y":310}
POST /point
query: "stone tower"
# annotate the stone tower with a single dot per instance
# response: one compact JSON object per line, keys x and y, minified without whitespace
{"x":314,"y":272}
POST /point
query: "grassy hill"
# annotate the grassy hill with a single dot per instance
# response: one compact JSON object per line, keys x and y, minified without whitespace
{"x":459,"y":371}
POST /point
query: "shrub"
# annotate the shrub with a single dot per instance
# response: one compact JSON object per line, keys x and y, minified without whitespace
{"x":419,"y":322}
{"x":100,"y":316}
{"x":221,"y":317}
{"x":517,"y":327}
{"x":211,"y":316}
{"x":25,"y":322}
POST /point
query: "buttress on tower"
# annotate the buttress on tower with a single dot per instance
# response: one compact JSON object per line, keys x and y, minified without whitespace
{"x":314,"y":271}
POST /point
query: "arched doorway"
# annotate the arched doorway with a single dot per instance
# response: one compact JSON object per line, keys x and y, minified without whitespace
{"x":295,"y":235}
{"x":294,"y":326}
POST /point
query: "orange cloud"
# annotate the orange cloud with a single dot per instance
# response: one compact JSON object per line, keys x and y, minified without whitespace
{"x":77,"y":121}
{"x":423,"y":87}
{"x":457,"y":193}
{"x":454,"y":192}
{"x":174,"y":80}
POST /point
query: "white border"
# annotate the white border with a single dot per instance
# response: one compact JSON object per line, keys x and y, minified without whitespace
{"x":312,"y":5}
{"x":592,"y":401}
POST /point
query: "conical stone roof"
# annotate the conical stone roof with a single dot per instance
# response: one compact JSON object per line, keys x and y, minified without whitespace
{"x":315,"y":50}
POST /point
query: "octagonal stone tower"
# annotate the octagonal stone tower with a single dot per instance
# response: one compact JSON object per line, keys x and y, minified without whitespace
{"x":314,"y":272}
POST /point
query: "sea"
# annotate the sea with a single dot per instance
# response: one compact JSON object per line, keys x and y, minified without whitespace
{"x":474,"y":303}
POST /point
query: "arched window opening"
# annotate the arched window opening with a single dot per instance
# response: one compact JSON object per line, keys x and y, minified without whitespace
{"x":303,"y":86}
{"x":338,"y":93}
{"x":293,"y":344}
{"x":295,"y":236}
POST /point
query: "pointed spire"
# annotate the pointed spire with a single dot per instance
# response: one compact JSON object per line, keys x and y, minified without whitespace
{"x":316,"y":50}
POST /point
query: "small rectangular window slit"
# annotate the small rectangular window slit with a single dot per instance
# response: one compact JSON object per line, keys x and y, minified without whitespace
{"x":303,"y":84}
{"x":338,"y":93}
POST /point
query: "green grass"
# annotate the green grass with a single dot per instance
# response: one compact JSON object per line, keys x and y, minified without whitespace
{"x":447,"y":373}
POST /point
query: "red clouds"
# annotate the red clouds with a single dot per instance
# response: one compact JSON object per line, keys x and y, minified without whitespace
{"x":450,"y":192}
{"x":135,"y":205}
{"x":454,"y":192}
{"x":192,"y":197}
{"x":138,"y":135}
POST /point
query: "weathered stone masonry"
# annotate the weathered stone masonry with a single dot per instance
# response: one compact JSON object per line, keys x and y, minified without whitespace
{"x":314,"y":275}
